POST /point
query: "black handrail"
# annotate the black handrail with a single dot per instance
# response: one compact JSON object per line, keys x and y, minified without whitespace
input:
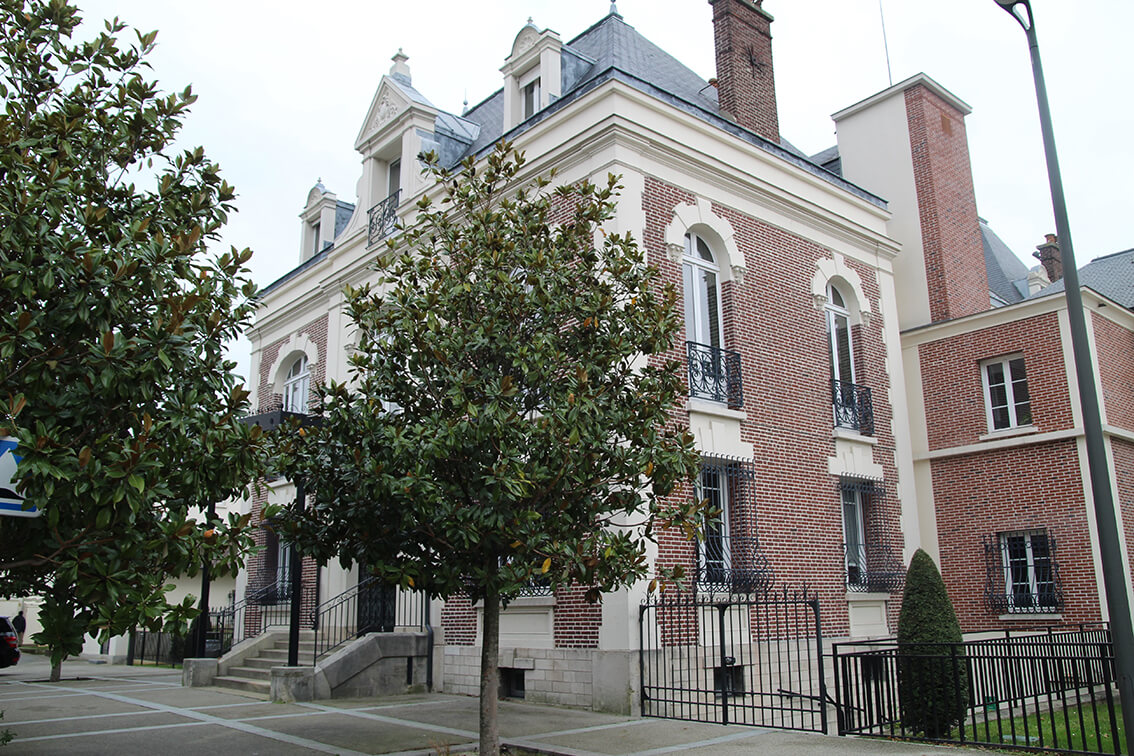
{"x":369,"y":606}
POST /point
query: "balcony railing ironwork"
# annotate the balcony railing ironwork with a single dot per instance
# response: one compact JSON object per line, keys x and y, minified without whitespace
{"x":714,"y":374}
{"x":382,"y":218}
{"x":1022,"y":578}
{"x":854,"y":407}
{"x":873,"y":568}
{"x":732,"y":564}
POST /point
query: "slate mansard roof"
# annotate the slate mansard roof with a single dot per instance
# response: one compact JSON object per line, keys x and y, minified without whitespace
{"x":613,"y":49}
{"x":1110,"y":275}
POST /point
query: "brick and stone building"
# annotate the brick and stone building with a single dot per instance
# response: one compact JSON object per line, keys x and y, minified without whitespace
{"x":847,"y":318}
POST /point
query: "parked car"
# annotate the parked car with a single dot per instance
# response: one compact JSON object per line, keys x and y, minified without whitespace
{"x":9,"y":647}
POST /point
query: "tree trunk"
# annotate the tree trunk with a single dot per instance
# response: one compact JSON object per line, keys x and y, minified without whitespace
{"x":490,"y":677}
{"x":56,"y":671}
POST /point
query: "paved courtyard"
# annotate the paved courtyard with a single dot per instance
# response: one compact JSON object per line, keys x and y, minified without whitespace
{"x":134,"y":711}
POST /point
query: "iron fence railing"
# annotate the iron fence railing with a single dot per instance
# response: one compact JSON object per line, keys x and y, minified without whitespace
{"x":733,"y":660}
{"x":854,"y":407}
{"x":371,"y":606}
{"x":714,"y":374}
{"x":267,"y":605}
{"x":1050,"y":690}
{"x":382,"y":218}
{"x":732,"y":564}
{"x":873,"y":568}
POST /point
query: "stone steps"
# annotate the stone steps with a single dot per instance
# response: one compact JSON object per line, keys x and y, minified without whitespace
{"x":254,"y":675}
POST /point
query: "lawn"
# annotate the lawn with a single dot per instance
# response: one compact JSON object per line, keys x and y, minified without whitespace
{"x":1074,"y":728}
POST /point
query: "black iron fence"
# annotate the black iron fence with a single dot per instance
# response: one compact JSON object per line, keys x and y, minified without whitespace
{"x":1042,"y":691}
{"x":854,"y":407}
{"x":714,"y":374}
{"x":733,"y":660}
{"x":382,"y":218}
{"x":371,"y":606}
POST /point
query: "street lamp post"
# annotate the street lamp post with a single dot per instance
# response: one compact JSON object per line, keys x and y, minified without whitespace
{"x":1110,"y":549}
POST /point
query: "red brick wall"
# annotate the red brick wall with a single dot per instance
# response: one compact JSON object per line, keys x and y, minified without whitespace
{"x":576,"y":621}
{"x":771,"y":320}
{"x":954,"y":394}
{"x":458,"y":621}
{"x":1019,"y":488}
{"x":1124,"y":496}
{"x":746,"y":85}
{"x":1115,"y":348}
{"x":950,"y":230}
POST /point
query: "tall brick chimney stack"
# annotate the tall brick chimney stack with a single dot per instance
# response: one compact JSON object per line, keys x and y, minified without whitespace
{"x":746,"y":87}
{"x":1050,"y":257}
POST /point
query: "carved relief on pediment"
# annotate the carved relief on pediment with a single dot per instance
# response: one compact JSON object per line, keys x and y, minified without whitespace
{"x":383,"y":113}
{"x":524,"y":40}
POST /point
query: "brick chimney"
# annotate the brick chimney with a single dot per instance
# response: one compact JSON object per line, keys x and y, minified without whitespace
{"x":1050,"y":257}
{"x":746,"y":87}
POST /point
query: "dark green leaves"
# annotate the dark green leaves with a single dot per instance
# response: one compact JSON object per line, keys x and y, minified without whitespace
{"x":113,"y":318}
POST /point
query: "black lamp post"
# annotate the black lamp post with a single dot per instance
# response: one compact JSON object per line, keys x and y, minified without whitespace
{"x":1110,"y":549}
{"x":270,"y":421}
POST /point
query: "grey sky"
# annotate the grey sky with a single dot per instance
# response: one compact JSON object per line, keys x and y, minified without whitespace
{"x":284,"y":86}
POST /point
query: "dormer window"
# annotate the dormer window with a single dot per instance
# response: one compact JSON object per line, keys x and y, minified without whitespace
{"x":531,"y":98}
{"x":533,"y":75}
{"x":315,"y":238}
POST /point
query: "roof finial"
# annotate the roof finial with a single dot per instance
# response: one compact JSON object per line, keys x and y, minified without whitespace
{"x":465,"y":106}
{"x":614,"y":9}
{"x":400,"y":68}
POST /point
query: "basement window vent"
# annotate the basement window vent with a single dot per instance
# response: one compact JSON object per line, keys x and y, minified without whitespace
{"x":511,"y":682}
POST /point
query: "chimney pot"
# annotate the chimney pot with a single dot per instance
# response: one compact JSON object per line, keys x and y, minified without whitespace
{"x":1050,"y":257}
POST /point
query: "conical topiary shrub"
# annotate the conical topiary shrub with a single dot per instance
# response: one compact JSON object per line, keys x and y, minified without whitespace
{"x":932,"y":680}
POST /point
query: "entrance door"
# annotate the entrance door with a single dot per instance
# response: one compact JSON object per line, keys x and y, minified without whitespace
{"x":377,"y":604}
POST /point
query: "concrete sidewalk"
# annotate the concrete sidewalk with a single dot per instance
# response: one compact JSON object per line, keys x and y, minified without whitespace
{"x":104,"y":709}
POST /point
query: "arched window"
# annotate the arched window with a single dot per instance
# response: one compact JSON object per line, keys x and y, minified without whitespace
{"x":702,"y":293}
{"x":839,"y":335}
{"x":297,"y":386}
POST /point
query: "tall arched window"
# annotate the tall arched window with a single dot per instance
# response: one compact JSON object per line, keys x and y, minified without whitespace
{"x":854,"y":407}
{"x":297,"y":386}
{"x":702,"y":293}
{"x":839,"y":335}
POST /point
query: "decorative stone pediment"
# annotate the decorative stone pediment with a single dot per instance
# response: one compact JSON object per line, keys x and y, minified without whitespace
{"x":388,"y":103}
{"x":525,"y":40}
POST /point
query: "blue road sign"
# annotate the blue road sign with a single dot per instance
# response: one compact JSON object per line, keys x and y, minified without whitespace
{"x":11,"y":503}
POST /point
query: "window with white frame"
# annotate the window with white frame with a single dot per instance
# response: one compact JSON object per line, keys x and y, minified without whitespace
{"x":1022,"y":572}
{"x":1007,"y":401}
{"x":715,"y":557}
{"x":530,"y":96}
{"x":702,"y":293}
{"x":297,"y":386}
{"x":839,"y":336}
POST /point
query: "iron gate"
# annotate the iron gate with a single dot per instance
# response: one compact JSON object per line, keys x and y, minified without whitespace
{"x":733,"y":659}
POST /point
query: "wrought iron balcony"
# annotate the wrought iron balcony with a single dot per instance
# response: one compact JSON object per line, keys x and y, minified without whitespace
{"x":382,"y":218}
{"x":873,"y":568}
{"x":714,"y":374}
{"x":732,"y":564}
{"x":854,"y":407}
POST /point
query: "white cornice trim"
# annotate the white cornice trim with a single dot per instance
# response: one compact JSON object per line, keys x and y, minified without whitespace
{"x":1003,"y":443}
{"x":900,"y":89}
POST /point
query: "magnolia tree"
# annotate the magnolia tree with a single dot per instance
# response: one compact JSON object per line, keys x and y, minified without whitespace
{"x":113,"y":317}
{"x":508,"y":418}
